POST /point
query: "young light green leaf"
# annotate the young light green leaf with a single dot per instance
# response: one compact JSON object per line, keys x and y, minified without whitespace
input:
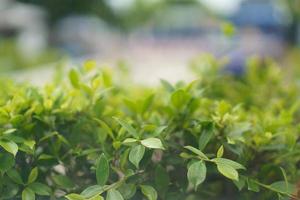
{"x":152,"y":143}
{"x":129,"y":141}
{"x":136,"y":154}
{"x":132,"y":131}
{"x":74,"y":196}
{"x":9,"y":146}
{"x":33,"y":175}
{"x":228,"y":171}
{"x":96,"y":198}
{"x":226,"y":161}
{"x":220,"y":151}
{"x":91,"y":191}
{"x":206,"y":135}
{"x":105,"y":127}
{"x":113,"y":194}
{"x":197,"y":151}
{"x":74,"y":78}
{"x":196,"y":173}
{"x":28,"y":194}
{"x":149,"y":192}
{"x":102,"y":170}
{"x":179,"y":98}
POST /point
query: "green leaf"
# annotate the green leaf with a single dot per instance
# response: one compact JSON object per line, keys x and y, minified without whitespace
{"x":75,"y":197}
{"x":197,"y":151}
{"x":127,"y":190}
{"x":113,"y":194}
{"x":136,"y":154}
{"x":63,"y":181}
{"x":15,"y":176}
{"x":252,"y":185}
{"x":226,"y":161}
{"x":28,"y":194}
{"x":206,"y":134}
{"x":152,"y":143}
{"x":7,"y":161}
{"x":129,"y":141}
{"x":92,"y":191}
{"x":105,"y":127}
{"x":40,"y":188}
{"x":74,"y":78}
{"x":102,"y":170}
{"x":220,"y":151}
{"x":162,"y":179}
{"x":228,"y":29}
{"x":179,"y":98}
{"x":147,"y":103}
{"x":196,"y":173}
{"x":228,"y":171}
{"x":168,"y":86}
{"x":9,"y":146}
{"x":149,"y":192}
{"x":240,"y":183}
{"x":282,"y":187}
{"x":33,"y":175}
{"x":158,"y":131}
{"x":132,"y":131}
{"x":96,"y":198}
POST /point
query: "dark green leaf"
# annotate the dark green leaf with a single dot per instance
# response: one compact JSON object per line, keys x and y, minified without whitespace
{"x":6,"y":162}
{"x":63,"y":181}
{"x":40,"y":188}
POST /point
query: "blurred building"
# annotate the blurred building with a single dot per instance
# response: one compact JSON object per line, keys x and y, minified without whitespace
{"x":82,"y":35}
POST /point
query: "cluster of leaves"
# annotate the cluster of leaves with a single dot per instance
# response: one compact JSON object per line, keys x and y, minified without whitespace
{"x":98,"y":136}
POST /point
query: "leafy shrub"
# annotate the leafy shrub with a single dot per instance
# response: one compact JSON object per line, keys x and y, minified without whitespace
{"x":98,"y":135}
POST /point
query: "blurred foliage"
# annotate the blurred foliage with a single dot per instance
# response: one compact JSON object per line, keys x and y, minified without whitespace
{"x":139,"y":12}
{"x":12,"y":58}
{"x":96,"y":135}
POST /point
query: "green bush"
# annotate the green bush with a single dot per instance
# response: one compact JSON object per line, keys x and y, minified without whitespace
{"x":99,"y":136}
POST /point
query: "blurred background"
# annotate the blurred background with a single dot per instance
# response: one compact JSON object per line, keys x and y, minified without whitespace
{"x":155,"y":38}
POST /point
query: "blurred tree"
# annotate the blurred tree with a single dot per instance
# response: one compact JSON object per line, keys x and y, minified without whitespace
{"x":294,"y":8}
{"x":57,"y":9}
{"x":138,"y":12}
